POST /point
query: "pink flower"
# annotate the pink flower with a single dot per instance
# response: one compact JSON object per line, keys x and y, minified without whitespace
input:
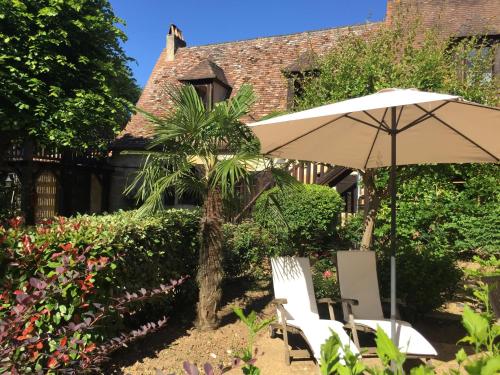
{"x":327,"y":274}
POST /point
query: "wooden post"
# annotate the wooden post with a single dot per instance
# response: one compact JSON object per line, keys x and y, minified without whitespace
{"x":28,"y":193}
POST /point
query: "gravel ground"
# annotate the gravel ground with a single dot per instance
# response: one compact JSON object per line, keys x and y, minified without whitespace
{"x":166,"y":350}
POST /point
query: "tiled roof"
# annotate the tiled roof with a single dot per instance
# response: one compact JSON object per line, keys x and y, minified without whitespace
{"x":260,"y":62}
{"x":454,"y":17}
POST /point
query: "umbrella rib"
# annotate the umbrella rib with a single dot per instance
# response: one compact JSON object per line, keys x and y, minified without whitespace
{"x":459,"y":133}
{"x":427,"y":115}
{"x":381,"y":122}
{"x":477,"y":105}
{"x":372,"y":146}
{"x":307,"y":133}
{"x":363,"y":122}
{"x":400,"y":113}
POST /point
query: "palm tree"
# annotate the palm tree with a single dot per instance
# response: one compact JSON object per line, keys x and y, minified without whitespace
{"x":207,"y":152}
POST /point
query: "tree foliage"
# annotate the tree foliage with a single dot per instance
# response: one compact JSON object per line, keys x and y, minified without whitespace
{"x":196,"y":150}
{"x":65,"y":78}
{"x":437,"y":219}
{"x":404,"y":54}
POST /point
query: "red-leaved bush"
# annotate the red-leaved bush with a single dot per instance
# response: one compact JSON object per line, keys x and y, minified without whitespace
{"x":64,"y":293}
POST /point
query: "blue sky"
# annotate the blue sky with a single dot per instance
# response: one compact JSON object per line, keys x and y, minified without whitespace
{"x":204,"y":22}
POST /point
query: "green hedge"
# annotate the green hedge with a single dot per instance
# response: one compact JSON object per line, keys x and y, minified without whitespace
{"x":131,"y":254}
{"x":247,"y":248}
{"x":310,"y":212}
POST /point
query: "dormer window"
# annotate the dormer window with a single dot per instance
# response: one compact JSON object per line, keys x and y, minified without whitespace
{"x":209,"y":81}
{"x":303,"y":68}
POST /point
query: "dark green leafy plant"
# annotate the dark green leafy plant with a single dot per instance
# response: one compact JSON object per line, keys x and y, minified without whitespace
{"x":247,"y":247}
{"x":324,"y":277}
{"x":310,"y":213}
{"x":65,"y":76}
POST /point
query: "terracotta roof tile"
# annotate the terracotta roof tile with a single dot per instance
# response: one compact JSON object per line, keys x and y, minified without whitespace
{"x":454,"y":17}
{"x":259,"y":62}
{"x":262,"y":61}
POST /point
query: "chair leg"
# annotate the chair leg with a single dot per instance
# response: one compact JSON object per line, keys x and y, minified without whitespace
{"x":287,"y":357}
{"x":354,"y":331}
{"x":272,"y":332}
{"x":287,"y":349}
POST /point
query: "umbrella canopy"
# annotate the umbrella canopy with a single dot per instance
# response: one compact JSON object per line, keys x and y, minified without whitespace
{"x":430,"y":127}
{"x":392,"y":127}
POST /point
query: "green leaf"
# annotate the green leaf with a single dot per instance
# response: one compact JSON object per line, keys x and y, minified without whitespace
{"x":492,"y":366}
{"x":386,"y":350}
{"x":476,"y":326}
{"x":422,"y":370}
{"x":461,"y":356}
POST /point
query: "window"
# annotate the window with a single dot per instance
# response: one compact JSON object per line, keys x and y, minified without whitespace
{"x":209,"y":81}
{"x":204,"y":92}
{"x":481,"y":59}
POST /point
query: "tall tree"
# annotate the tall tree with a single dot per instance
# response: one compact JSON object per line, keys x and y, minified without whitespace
{"x":403,"y":54}
{"x":65,"y":78}
{"x":207,"y":152}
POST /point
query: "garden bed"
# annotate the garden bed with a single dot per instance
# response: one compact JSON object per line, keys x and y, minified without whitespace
{"x":178,"y":342}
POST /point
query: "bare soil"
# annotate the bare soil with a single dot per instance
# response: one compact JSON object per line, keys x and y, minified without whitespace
{"x":167,"y":349}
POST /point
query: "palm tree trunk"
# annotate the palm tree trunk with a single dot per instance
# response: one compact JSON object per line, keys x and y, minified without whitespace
{"x":210,"y":262}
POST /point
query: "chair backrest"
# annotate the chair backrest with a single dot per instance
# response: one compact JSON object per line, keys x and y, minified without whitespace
{"x":292,"y":280}
{"x":357,"y":276}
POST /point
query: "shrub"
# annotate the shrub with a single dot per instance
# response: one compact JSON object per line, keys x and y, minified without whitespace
{"x":426,"y":276}
{"x":350,"y":234}
{"x":247,"y":247}
{"x":310,"y":212}
{"x":325,"y":278}
{"x":104,"y":257}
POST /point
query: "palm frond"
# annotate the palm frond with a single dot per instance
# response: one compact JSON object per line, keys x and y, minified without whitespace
{"x":160,"y":174}
{"x":233,"y":170}
{"x":184,"y":127}
{"x":239,"y":105}
{"x":190,"y":132}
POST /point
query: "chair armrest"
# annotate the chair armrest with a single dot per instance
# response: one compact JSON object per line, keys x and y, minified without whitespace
{"x":399,"y":301}
{"x":330,"y":303}
{"x":350,"y":301}
{"x":326,"y":300}
{"x":279,"y":301}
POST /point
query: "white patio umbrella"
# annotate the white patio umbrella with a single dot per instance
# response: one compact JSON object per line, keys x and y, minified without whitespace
{"x":392,"y":127}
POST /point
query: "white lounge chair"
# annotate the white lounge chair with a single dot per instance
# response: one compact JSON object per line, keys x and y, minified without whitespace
{"x":357,"y":276}
{"x":297,"y":311}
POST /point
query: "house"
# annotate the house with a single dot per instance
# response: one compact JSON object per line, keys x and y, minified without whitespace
{"x":217,"y":71}
{"x":270,"y":65}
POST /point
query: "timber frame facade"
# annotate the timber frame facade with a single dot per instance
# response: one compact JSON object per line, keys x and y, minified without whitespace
{"x":41,"y":182}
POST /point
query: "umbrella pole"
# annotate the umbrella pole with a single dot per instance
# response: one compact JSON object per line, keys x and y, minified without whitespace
{"x":392,"y":188}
